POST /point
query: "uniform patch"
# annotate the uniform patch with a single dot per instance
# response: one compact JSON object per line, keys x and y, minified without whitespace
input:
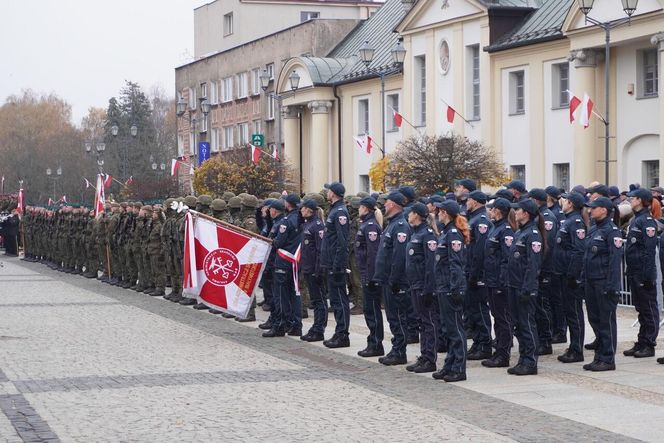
{"x":321,"y":234}
{"x":559,"y":239}
{"x":306,"y":242}
{"x":343,"y":219}
{"x":373,"y":236}
{"x":411,"y":252}
{"x":517,"y":254}
{"x":433,"y":244}
{"x":437,"y":257}
{"x":357,"y":244}
{"x":401,"y":236}
{"x":482,"y":228}
{"x":617,"y":242}
{"x":282,"y":228}
{"x":594,"y":249}
{"x":650,"y":232}
{"x":508,"y":240}
{"x":581,"y":234}
{"x":537,"y":246}
{"x":548,"y":225}
{"x":633,"y":239}
{"x":456,"y":245}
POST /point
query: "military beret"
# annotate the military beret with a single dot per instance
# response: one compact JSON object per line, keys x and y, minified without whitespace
{"x":449,"y":206}
{"x":337,"y":188}
{"x":537,"y":194}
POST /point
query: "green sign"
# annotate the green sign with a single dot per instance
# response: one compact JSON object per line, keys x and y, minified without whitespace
{"x":258,"y":140}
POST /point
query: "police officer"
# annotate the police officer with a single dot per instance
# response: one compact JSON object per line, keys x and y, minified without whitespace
{"x":517,"y":189}
{"x":271,"y":304}
{"x":462,"y":188}
{"x":420,"y":266}
{"x":568,"y":264}
{"x":366,"y":248}
{"x":640,"y":251}
{"x":477,"y":308}
{"x":451,"y":283}
{"x":313,"y":231}
{"x":543,"y":315}
{"x":292,"y":202}
{"x":523,"y":269}
{"x":559,"y":326}
{"x":498,"y":243}
{"x":334,"y":259}
{"x":390,"y":273}
{"x":601,"y":271}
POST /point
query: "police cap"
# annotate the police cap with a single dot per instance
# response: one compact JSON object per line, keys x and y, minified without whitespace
{"x":517,"y":185}
{"x":368,"y":202}
{"x":467,"y":183}
{"x":309,"y":203}
{"x":292,"y":199}
{"x":503,"y":193}
{"x":278,"y":204}
{"x":420,"y":209}
{"x":527,"y":205}
{"x":552,"y":191}
{"x":336,"y":187}
{"x":537,"y":194}
{"x":478,"y":196}
{"x":408,"y":192}
{"x":575,"y":198}
{"x":602,"y":190}
{"x":449,"y":206}
{"x":641,"y":193}
{"x":502,"y":204}
{"x":397,"y":197}
{"x":601,"y":202}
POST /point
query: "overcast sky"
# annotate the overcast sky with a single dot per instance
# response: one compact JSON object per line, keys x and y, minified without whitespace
{"x":83,"y":50}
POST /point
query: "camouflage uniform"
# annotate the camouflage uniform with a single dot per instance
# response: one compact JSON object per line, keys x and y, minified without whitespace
{"x":138,"y":251}
{"x":157,"y":260}
{"x":148,"y":278}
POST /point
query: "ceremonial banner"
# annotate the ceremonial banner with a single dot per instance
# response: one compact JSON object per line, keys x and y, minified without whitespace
{"x":222,"y":267}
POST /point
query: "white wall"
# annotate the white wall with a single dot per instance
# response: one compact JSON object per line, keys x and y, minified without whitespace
{"x":558,"y":132}
{"x":516,"y":128}
{"x":361,"y":160}
{"x":471,"y":36}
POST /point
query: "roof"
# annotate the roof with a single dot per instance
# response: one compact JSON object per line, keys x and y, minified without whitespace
{"x":544,"y":24}
{"x":507,"y":3}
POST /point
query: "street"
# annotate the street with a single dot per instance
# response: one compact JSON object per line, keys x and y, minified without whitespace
{"x":81,"y":361}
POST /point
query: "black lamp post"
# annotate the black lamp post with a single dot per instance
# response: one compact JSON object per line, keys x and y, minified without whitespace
{"x":133,"y":131}
{"x":55,"y":176}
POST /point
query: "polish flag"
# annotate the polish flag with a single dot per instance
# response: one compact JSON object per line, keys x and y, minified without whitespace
{"x":130,"y":180}
{"x":398,"y":118}
{"x":21,"y":202}
{"x":364,"y":143}
{"x":574,"y":103}
{"x":50,"y":202}
{"x":294,"y":259}
{"x":450,"y":114}
{"x":174,"y":167}
{"x":63,"y":199}
{"x":586,"y":111}
{"x":100,"y":199}
{"x":108,"y":181}
{"x":255,"y":154}
{"x":275,"y":153}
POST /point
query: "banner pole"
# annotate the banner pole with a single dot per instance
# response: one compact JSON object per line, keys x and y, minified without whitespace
{"x":230,"y":226}
{"x":108,"y":260}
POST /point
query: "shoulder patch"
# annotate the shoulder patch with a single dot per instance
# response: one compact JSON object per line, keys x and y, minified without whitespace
{"x":343,"y":219}
{"x":535,"y":231}
{"x":453,"y":230}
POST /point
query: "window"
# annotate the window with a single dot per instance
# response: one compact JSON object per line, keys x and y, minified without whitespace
{"x":228,"y":89}
{"x":365,"y":183}
{"x":650,"y":173}
{"x":204,"y":90}
{"x":243,"y":133}
{"x":229,"y":142}
{"x":228,"y":24}
{"x":420,"y":90}
{"x":258,"y":127}
{"x":192,"y":98}
{"x":204,"y":124}
{"x":214,"y":140}
{"x":474,"y":96}
{"x":270,"y":108}
{"x":518,"y":172}
{"x":192,"y":149}
{"x":517,"y":101}
{"x":363,"y":116}
{"x":180,"y":145}
{"x":214,"y":96}
{"x":392,"y":106}
{"x":256,"y":81}
{"x":561,"y":175}
{"x":648,"y":73}
{"x":308,"y":15}
{"x":270,"y":70}
{"x":242,"y":85}
{"x":560,"y":79}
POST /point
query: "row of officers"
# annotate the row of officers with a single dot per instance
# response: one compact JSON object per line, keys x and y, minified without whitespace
{"x":441,"y":267}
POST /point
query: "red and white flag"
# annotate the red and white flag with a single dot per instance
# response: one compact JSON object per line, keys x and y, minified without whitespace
{"x":50,"y":201}
{"x":294,"y":259}
{"x":222,"y":267}
{"x":255,"y":154}
{"x":275,"y":153}
{"x":2,"y":185}
{"x":364,"y":143}
{"x":108,"y":180}
{"x":63,"y":199}
{"x":398,"y":118}
{"x":130,"y":180}
{"x":175,"y":164}
{"x":586,"y":111}
{"x":21,"y":202}
{"x":100,"y":199}
{"x":574,"y":103}
{"x":450,"y":114}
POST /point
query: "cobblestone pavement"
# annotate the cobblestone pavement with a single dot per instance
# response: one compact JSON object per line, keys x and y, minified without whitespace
{"x":82,"y":361}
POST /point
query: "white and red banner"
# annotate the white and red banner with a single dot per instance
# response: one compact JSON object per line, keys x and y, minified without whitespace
{"x":21,"y":202}
{"x":255,"y":153}
{"x":222,"y":267}
{"x":585,"y":106}
{"x":108,"y":180}
{"x":174,"y":167}
{"x":364,"y":143}
{"x":100,"y":199}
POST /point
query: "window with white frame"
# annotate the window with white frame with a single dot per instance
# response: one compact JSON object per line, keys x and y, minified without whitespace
{"x":473,"y":53}
{"x":192,"y":141}
{"x":229,"y":142}
{"x":560,"y":85}
{"x":308,"y":15}
{"x":561,"y":175}
{"x":650,"y":173}
{"x":192,"y":98}
{"x":228,"y":89}
{"x":214,"y":96}
{"x":363,"y":116}
{"x":243,"y":133}
{"x":518,"y":172}
{"x":517,"y":93}
{"x":258,"y":127}
{"x":228,"y":24}
{"x":365,"y":183}
{"x":270,"y":70}
{"x":214,"y":139}
{"x":242,"y":85}
{"x":204,"y":90}
{"x":392,"y":107}
{"x":647,"y":71}
{"x":256,"y":81}
{"x":203,"y":126}
{"x":270,"y":107}
{"x":180,"y":145}
{"x":420,"y":93}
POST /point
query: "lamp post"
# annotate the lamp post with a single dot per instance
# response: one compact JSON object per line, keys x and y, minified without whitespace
{"x":133,"y":131}
{"x":398,"y":53}
{"x":181,"y":108}
{"x":98,"y":151}
{"x":585,"y":6}
{"x":55,"y":176}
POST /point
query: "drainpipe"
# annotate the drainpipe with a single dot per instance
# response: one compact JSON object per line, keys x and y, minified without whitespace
{"x":334,"y":89}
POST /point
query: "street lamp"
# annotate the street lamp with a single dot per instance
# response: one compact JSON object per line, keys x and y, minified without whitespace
{"x":99,"y":148}
{"x":55,"y":176}
{"x":181,"y":106}
{"x":629,"y":6}
{"x":398,"y":53}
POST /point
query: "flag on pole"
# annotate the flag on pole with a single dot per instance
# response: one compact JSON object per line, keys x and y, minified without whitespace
{"x":100,"y":199}
{"x":175,"y":164}
{"x":21,"y":202}
{"x":450,"y":114}
{"x":293,"y":259}
{"x":275,"y":153}
{"x":398,"y":118}
{"x":586,"y":111}
{"x":130,"y":180}
{"x":63,"y":199}
{"x":574,"y":103}
{"x":255,"y":154}
{"x":364,"y":143}
{"x":108,"y":180}
{"x":222,"y":267}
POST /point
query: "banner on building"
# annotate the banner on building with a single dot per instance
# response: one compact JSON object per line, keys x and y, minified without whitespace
{"x":203,"y":152}
{"x":222,"y":267}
